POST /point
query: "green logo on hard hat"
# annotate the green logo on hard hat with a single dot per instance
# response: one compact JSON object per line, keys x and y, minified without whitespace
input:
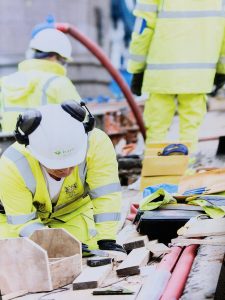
{"x":58,"y":152}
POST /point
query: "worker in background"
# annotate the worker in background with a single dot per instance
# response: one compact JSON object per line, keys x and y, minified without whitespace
{"x":61,"y":173}
{"x":177,"y":52}
{"x":40,"y":79}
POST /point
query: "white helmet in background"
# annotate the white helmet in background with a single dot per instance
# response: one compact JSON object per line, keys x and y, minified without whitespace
{"x":52,"y":40}
{"x":60,"y":140}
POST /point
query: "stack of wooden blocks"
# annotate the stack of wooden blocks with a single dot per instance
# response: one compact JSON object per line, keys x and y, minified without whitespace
{"x":158,"y":169}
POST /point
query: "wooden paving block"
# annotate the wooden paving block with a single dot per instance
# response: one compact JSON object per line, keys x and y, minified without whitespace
{"x":158,"y":249}
{"x":131,"y":265}
{"x":91,"y":277}
{"x":204,"y":227}
{"x":137,"y":242}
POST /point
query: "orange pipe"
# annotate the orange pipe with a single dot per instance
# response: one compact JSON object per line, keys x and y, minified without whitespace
{"x":180,"y":274}
{"x":97,"y":51}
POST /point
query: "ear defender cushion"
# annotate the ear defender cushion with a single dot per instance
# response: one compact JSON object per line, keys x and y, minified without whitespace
{"x":74,"y":109}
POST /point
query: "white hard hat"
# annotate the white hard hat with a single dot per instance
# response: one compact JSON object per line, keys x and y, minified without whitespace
{"x":60,"y":140}
{"x":52,"y":40}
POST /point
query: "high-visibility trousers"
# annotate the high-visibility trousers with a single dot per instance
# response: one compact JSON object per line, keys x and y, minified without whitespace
{"x":159,"y":112}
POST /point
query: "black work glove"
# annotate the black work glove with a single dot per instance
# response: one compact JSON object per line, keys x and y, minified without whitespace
{"x":219,"y":81}
{"x":136,"y":83}
{"x":110,"y":245}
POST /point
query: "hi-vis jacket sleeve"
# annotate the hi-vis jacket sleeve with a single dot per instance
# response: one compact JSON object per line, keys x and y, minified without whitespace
{"x":62,"y":89}
{"x":146,"y":14}
{"x":220,"y":68}
{"x":17,"y":201}
{"x":104,"y":185}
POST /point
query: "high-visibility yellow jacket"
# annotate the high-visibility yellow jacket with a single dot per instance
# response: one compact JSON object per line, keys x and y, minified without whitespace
{"x":179,"y":43}
{"x":37,"y":82}
{"x":92,"y":191}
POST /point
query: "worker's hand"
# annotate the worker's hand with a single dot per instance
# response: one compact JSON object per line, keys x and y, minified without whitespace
{"x":136,"y":83}
{"x":219,"y":81}
{"x":110,"y":245}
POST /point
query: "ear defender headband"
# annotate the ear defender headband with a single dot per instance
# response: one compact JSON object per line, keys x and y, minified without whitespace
{"x":31,"y":119}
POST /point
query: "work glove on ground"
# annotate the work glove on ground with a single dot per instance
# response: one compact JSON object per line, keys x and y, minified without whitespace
{"x":110,"y":245}
{"x":136,"y":83}
{"x":219,"y":81}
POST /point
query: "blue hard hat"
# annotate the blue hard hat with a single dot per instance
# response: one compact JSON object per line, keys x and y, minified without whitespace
{"x":49,"y":23}
{"x":173,"y":149}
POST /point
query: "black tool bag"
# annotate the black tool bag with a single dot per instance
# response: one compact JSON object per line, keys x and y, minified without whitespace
{"x":162,"y":224}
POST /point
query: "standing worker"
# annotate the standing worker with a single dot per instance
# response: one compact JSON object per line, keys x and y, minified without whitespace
{"x":176,"y":53}
{"x":61,"y":173}
{"x":39,"y":80}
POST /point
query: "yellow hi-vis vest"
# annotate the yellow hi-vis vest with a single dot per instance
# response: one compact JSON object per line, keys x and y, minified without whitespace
{"x":180,"y":44}
{"x":93,"y":185}
{"x":37,"y":82}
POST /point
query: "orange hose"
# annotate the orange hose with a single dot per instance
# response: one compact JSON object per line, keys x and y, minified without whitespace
{"x":97,"y":51}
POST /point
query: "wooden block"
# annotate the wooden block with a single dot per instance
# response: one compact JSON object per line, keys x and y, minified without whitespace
{"x":152,"y":180}
{"x":137,"y":242}
{"x":127,"y":233}
{"x":91,"y":277}
{"x":202,"y":228}
{"x":158,"y":249}
{"x":164,"y":165}
{"x":131,"y":265}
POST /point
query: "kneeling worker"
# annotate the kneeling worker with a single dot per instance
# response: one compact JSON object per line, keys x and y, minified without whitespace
{"x":61,"y":173}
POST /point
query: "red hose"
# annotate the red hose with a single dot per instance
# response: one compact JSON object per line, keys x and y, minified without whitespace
{"x":180,"y":274}
{"x":169,"y":261}
{"x":97,"y":51}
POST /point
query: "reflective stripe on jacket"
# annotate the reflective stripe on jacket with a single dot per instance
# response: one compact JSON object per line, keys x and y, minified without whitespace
{"x":95,"y":182}
{"x":181,"y":47}
{"x":37,"y":82}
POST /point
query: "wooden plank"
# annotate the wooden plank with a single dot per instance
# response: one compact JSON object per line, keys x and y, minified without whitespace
{"x":153,"y":148}
{"x":164,"y":165}
{"x":202,"y":228}
{"x":14,"y":295}
{"x":24,"y":266}
{"x":53,"y":240}
{"x":131,"y":265}
{"x":87,"y":294}
{"x":214,"y":180}
{"x":91,"y":277}
{"x":212,"y":240}
{"x":137,"y":242}
{"x":65,"y":270}
{"x":152,"y":180}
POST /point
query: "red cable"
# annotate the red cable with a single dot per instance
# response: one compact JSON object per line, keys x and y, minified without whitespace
{"x":169,"y":261}
{"x":97,"y":51}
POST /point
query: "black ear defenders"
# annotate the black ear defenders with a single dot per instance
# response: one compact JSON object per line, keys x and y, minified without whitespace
{"x":30,"y":120}
{"x":78,"y":112}
{"x":26,"y":124}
